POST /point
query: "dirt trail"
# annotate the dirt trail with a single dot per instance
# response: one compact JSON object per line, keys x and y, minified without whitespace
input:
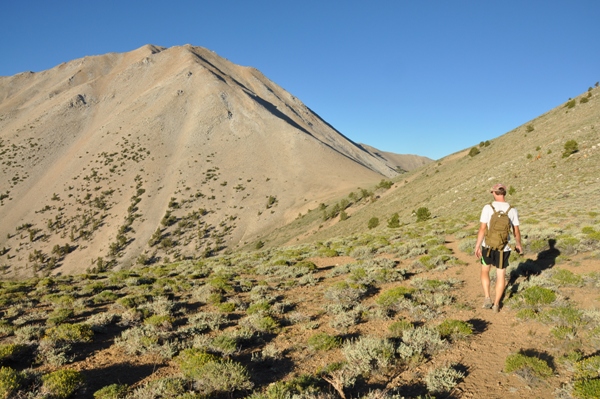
{"x":497,"y":335}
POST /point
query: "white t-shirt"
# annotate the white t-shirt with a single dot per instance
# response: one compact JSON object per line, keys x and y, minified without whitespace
{"x":487,"y":212}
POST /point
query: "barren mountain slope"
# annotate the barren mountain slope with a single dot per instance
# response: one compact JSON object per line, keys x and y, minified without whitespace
{"x":404,"y":162}
{"x":164,"y":153}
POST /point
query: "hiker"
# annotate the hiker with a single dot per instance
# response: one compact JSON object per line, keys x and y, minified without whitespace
{"x":496,"y":251}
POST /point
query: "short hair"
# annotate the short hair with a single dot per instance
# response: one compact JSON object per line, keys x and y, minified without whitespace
{"x":500,"y":191}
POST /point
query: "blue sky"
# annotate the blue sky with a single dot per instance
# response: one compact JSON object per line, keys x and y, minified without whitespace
{"x":420,"y":77}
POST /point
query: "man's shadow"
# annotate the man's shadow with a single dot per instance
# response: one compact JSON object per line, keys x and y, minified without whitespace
{"x":546,"y":259}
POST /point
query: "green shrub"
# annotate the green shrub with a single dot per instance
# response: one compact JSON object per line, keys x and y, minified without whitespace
{"x":587,"y":378}
{"x":344,"y":215}
{"x":132,"y":301}
{"x":105,"y":296}
{"x":526,"y":314}
{"x":324,"y":342}
{"x":59,"y":316}
{"x":224,"y":344}
{"x":443,"y":379}
{"x":588,"y":368}
{"x":261,"y":307}
{"x":474,"y":151}
{"x":397,"y":328}
{"x":6,"y":328}
{"x":587,"y":389}
{"x":432,"y":285}
{"x":191,"y":361}
{"x":327,"y":252}
{"x":221,"y":281}
{"x":227,"y":307}
{"x":520,"y":363}
{"x":419,"y":341}
{"x":9,"y":382}
{"x":373,"y":222}
{"x":207,"y":320}
{"x":93,"y":288}
{"x":537,"y":245}
{"x":390,"y":297}
{"x":536,"y":295}
{"x":10,"y":351}
{"x":167,"y":387}
{"x":423,"y":214}
{"x":571,"y":358}
{"x":570,"y":104}
{"x":215,"y":298}
{"x":563,"y":332}
{"x":566,"y":277}
{"x":223,"y":377}
{"x":455,"y":329}
{"x":344,"y":294}
{"x":62,"y":383}
{"x":211,"y":374}
{"x":113,"y":391}
{"x":386,"y":184}
{"x":60,"y":300}
{"x":368,"y":354}
{"x":439,"y":250}
{"x":265,"y":324}
{"x":70,"y":333}
{"x":567,"y":244}
{"x":467,"y":246}
{"x":591,"y":233}
{"x":301,"y":386}
{"x":144,"y":339}
{"x":163,"y":322}
{"x":99,"y":321}
{"x":306,"y":264}
{"x":571,"y":147}
{"x":394,"y":221}
{"x":563,"y":315}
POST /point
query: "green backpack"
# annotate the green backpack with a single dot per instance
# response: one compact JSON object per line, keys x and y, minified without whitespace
{"x":496,"y":236}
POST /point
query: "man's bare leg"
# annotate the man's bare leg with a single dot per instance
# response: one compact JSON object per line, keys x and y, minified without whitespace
{"x":485,"y":283}
{"x":500,"y":286}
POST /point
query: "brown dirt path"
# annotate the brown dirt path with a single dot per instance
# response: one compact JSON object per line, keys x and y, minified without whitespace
{"x":497,"y":335}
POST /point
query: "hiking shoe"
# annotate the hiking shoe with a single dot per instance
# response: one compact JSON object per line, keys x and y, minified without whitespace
{"x":496,"y":308}
{"x":487,"y":303}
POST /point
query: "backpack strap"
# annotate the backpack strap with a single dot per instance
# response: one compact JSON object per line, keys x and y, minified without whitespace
{"x":489,"y":250}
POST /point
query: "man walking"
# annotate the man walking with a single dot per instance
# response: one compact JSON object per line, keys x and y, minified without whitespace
{"x":491,"y":256}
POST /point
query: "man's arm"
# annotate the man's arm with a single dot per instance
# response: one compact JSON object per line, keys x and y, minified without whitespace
{"x":518,"y":245}
{"x":480,"y":236}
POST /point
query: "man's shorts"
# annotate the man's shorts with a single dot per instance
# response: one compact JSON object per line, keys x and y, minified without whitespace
{"x":494,"y":258}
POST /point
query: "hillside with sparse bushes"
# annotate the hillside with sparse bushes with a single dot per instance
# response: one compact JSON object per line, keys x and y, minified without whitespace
{"x":159,"y":155}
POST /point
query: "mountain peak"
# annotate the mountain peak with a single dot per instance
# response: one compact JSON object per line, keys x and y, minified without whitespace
{"x":111,"y":153}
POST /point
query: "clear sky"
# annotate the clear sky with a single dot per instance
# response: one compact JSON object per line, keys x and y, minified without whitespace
{"x":420,"y":77}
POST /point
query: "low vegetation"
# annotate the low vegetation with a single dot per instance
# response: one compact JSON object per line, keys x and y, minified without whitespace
{"x":220,"y":321}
